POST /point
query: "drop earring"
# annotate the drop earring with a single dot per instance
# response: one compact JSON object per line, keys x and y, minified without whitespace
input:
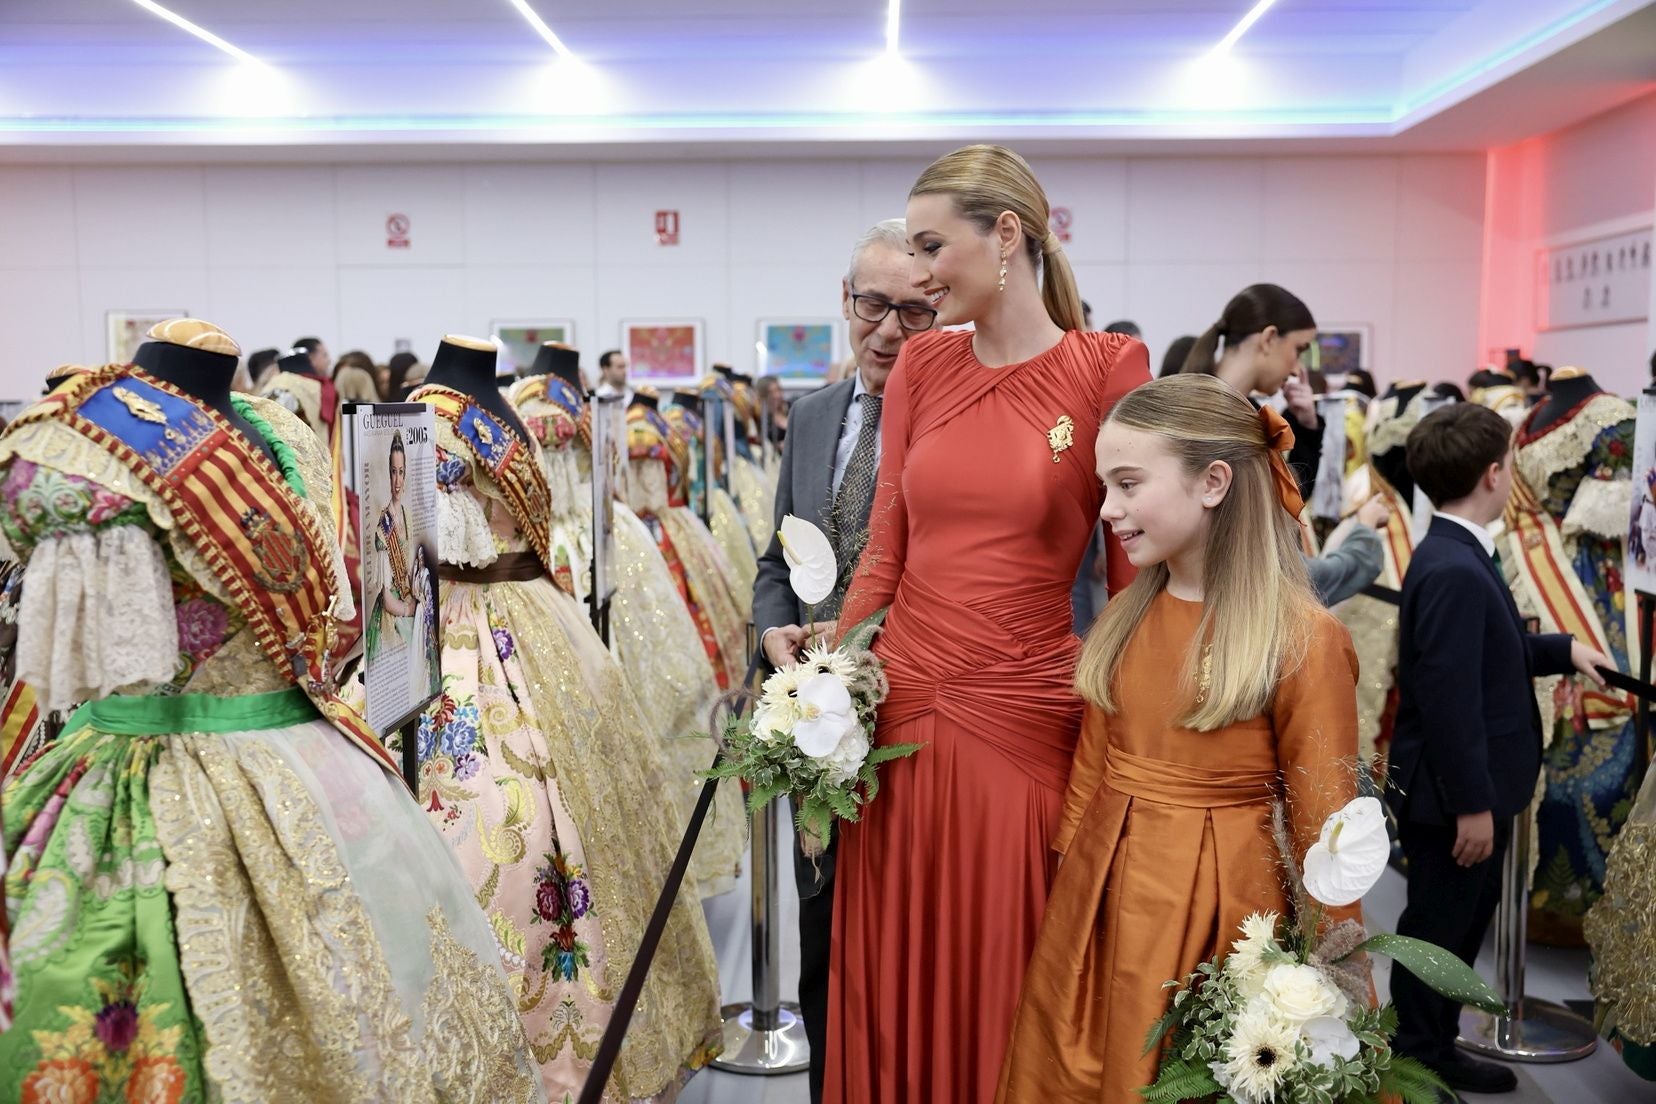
{"x":1003,"y":272}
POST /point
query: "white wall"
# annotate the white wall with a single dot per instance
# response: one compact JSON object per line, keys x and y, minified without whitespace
{"x":1597,"y":177}
{"x":271,"y":252}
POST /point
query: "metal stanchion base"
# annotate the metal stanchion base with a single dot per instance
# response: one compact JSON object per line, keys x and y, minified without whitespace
{"x":763,"y":1053}
{"x":1541,"y":1031}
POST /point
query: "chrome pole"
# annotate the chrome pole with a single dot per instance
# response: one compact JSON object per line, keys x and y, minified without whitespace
{"x":1534,"y":1030}
{"x":765,"y":1036}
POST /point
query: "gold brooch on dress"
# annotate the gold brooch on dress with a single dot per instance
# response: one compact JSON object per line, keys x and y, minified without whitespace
{"x":141,"y":408}
{"x":1061,"y":436}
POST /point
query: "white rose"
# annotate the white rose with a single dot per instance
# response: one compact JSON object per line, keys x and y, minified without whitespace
{"x":843,"y":763}
{"x":772,"y":722}
{"x":1300,"y":993}
{"x":1329,"y":1038}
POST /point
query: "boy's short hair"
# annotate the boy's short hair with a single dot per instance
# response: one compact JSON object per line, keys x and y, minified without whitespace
{"x":1451,"y":448}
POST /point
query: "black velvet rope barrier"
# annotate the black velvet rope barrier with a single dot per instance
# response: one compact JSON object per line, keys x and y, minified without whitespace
{"x":609,"y":1049}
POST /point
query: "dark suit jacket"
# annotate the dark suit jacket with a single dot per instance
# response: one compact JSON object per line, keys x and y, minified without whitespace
{"x":805,"y":490}
{"x":1468,"y":734}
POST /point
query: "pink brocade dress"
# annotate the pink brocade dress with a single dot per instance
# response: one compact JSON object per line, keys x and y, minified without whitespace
{"x":978,"y":526}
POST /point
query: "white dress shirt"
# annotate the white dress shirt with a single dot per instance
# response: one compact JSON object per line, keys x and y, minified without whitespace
{"x":1484,"y":539}
{"x":849,"y":433}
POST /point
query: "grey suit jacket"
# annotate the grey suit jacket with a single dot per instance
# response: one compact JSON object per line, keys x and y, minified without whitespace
{"x":805,"y":490}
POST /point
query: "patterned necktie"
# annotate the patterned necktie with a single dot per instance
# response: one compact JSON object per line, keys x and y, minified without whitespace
{"x":848,"y":516}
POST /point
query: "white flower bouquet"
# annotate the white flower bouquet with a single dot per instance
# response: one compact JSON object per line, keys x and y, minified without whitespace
{"x":811,"y":735}
{"x":1285,"y":1018}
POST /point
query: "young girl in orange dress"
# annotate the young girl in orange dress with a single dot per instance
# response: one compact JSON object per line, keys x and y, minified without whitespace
{"x":1166,"y":826}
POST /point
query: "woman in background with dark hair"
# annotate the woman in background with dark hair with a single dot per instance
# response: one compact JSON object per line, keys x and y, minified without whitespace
{"x":1173,"y":360}
{"x":397,"y":385}
{"x":1266,"y":330}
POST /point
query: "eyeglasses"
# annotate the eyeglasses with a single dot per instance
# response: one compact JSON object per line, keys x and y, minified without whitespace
{"x":871,"y":308}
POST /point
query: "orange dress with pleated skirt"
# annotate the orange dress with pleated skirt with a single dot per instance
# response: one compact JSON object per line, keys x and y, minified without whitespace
{"x":1167,"y":847}
{"x":985,"y":503}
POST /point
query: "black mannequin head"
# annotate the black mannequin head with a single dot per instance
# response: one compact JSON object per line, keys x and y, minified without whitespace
{"x":726,"y":371}
{"x":297,"y":362}
{"x":467,"y":365}
{"x":690,"y":400}
{"x":194,"y":356}
{"x":200,"y":360}
{"x":650,"y":400}
{"x":1568,"y":388}
{"x":557,"y":359}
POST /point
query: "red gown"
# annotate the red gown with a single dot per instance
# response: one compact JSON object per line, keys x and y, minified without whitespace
{"x":976,"y":535}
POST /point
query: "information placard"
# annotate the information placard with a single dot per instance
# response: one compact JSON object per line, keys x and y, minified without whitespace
{"x":391,"y":458}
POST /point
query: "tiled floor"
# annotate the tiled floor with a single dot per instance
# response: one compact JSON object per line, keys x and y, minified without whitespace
{"x":1552,"y":974}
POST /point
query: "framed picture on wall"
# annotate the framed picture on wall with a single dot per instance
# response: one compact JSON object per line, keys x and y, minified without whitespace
{"x":667,"y":350}
{"x":1341,"y":349}
{"x":522,"y":338}
{"x":1595,"y":282}
{"x":798,"y":350}
{"x":125,"y":329}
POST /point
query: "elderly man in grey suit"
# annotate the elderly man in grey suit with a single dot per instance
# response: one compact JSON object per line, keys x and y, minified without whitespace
{"x":828,"y":466}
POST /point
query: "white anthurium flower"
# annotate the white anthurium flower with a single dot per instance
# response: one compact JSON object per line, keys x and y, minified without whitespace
{"x":1351,"y":855}
{"x":826,"y":714}
{"x":812,"y":570}
{"x":1329,"y":1037}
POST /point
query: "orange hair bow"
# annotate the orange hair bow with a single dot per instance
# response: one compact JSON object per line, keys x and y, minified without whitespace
{"x":1279,"y":438}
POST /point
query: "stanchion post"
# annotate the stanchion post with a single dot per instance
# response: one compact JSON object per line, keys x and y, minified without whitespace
{"x":765,"y":1036}
{"x":1532,"y":1030}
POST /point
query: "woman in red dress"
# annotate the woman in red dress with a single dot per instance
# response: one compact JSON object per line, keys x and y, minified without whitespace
{"x":985,"y":503}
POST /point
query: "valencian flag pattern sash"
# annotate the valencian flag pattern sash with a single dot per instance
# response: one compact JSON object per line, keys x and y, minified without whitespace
{"x":509,"y":460}
{"x":1544,"y":568}
{"x":262,"y":542}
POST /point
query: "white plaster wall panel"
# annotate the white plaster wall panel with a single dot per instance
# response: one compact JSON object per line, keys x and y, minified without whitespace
{"x":431,"y":196}
{"x":1330,"y":208}
{"x":1195,"y":209}
{"x":629,"y":196}
{"x":1434,"y":323}
{"x":37,"y":217}
{"x":1094,"y":190}
{"x":1104,"y":286}
{"x":379,"y":305}
{"x":273,"y":214}
{"x":781,"y":292}
{"x":1170,"y":300}
{"x":266,"y":307}
{"x":1344,"y":293}
{"x":39,"y":309}
{"x":797,"y":213}
{"x":885,"y":187}
{"x":151,"y":217}
{"x":530,"y":214}
{"x":534,"y":292}
{"x":1601,"y":169}
{"x":107,"y":289}
{"x":1440,"y":209}
{"x":646,"y":292}
{"x":1616,"y":355}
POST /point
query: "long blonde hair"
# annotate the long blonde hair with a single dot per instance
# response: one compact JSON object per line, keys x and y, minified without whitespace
{"x":1257,"y":602}
{"x":988,"y":180}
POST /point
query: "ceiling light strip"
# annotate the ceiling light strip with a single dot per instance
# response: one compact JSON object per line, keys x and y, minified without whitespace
{"x":541,"y":28}
{"x":894,"y":17}
{"x":200,"y":32}
{"x":1242,"y":26}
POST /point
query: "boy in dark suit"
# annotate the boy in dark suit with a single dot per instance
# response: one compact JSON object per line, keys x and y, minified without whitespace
{"x":1466,"y":749}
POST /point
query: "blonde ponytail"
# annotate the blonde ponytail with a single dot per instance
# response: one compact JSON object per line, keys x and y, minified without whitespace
{"x":987,"y":180}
